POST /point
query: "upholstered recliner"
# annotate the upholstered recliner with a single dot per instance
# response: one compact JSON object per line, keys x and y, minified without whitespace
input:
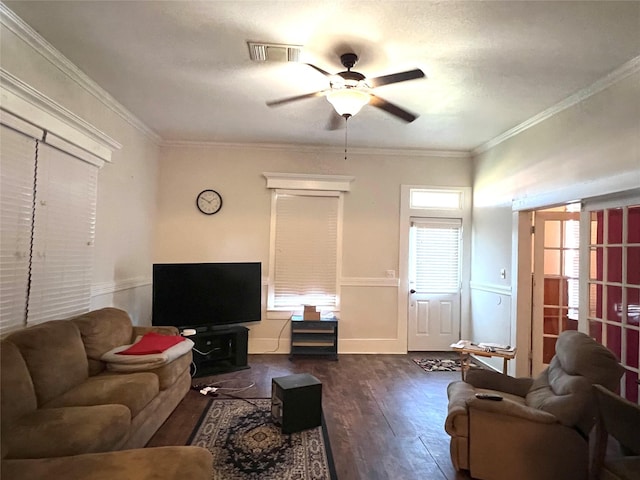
{"x":620,"y":419}
{"x":539,"y":430}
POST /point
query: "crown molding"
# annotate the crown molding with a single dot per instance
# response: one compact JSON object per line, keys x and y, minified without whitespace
{"x":31,"y":106}
{"x":22,"y":30}
{"x":622,"y":72}
{"x":462,"y":154}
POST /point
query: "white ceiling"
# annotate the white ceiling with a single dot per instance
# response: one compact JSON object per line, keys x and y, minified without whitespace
{"x":183,"y":68}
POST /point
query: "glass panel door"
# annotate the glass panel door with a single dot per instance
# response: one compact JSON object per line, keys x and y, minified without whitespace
{"x":614,"y":288}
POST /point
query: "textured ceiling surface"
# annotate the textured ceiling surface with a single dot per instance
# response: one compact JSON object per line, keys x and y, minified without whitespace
{"x":183,"y":68}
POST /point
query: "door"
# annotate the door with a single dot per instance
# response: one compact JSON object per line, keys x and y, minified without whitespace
{"x":555,"y":282}
{"x":434,"y":281}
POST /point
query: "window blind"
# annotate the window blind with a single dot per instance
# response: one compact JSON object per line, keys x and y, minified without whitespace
{"x":306,"y":246}
{"x":63,"y":236}
{"x":436,"y":246}
{"x":17,"y":153}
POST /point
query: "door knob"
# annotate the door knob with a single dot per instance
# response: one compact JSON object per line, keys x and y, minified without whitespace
{"x":412,"y":291}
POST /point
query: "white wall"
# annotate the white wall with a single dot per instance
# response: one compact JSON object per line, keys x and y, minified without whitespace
{"x":240,"y":231}
{"x":589,"y":149}
{"x":126,"y":186}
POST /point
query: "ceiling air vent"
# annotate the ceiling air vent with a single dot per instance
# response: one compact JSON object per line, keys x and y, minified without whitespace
{"x":272,"y":52}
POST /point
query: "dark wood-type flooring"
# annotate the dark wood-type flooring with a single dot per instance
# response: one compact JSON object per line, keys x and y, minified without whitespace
{"x":384,"y":414}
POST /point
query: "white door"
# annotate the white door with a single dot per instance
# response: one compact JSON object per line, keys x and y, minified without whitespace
{"x":555,"y":282}
{"x":434,"y":281}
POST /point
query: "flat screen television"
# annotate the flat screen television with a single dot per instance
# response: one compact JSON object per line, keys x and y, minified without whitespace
{"x":206,"y":295}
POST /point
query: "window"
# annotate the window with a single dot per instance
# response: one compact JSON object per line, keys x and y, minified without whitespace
{"x":306,"y":250}
{"x":63,"y":236}
{"x":435,"y":199}
{"x":306,"y":236}
{"x":48,"y":218}
{"x":17,"y":152}
{"x":436,"y":247}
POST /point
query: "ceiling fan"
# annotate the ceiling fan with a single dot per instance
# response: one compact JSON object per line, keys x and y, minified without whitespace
{"x":349,"y":91}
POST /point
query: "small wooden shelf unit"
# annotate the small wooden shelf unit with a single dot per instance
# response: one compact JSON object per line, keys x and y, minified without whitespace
{"x":314,"y":337}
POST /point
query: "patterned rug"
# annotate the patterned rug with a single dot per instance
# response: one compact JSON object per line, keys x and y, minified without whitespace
{"x":247,"y":445}
{"x":438,"y":364}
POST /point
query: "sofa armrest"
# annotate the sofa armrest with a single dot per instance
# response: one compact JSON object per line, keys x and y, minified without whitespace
{"x":137,"y":331}
{"x":512,"y":409}
{"x":481,"y":378}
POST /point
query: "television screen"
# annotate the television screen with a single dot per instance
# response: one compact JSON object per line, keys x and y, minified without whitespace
{"x":206,"y":294}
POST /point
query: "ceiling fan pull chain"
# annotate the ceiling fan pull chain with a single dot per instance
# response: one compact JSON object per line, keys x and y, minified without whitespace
{"x":346,"y":129}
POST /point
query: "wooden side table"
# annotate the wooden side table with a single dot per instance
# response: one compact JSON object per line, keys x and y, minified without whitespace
{"x":467,"y":348}
{"x":314,"y":337}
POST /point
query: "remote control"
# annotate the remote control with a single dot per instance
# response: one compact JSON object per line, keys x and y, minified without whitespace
{"x":489,"y":396}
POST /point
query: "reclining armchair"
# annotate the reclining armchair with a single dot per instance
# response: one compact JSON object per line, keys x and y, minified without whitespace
{"x":620,"y":419}
{"x":539,"y":428}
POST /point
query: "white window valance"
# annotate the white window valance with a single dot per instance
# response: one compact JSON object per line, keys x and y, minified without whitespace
{"x":305,"y":181}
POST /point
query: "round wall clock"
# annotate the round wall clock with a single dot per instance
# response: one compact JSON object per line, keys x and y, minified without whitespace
{"x":209,"y":202}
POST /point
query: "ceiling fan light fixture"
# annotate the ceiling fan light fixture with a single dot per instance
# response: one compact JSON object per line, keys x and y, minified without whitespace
{"x":348,"y":101}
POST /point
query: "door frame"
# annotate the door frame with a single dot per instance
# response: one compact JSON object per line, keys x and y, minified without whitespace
{"x":406,"y":212}
{"x":538,"y":266}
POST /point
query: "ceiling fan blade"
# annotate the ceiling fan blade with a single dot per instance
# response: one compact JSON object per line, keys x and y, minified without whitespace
{"x":275,"y":103}
{"x":335,"y":122}
{"x":395,"y":78}
{"x":324,"y":72}
{"x":392,"y":109}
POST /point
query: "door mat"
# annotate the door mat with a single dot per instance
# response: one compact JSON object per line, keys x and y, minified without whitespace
{"x":438,"y":364}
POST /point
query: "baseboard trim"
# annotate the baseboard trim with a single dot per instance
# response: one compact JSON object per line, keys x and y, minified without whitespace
{"x":354,"y":346}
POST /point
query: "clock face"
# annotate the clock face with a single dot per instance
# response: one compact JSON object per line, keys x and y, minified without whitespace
{"x":209,"y":202}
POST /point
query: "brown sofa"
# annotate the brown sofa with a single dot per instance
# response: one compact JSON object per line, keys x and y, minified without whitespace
{"x":540,"y":428}
{"x":62,"y":406}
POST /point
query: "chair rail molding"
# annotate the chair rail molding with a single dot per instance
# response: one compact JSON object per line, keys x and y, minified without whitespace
{"x":107,"y":288}
{"x":491,"y":288}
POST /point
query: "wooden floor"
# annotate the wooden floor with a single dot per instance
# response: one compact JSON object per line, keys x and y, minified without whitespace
{"x":385,"y":415}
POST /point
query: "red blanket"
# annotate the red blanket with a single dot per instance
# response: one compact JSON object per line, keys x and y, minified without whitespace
{"x":152,"y":343}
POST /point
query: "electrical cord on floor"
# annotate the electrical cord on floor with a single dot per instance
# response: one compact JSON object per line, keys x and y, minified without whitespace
{"x":214,"y":390}
{"x":279,"y":337}
{"x":240,"y":398}
{"x":217,"y":386}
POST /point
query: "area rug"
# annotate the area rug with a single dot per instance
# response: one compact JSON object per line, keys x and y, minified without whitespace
{"x":247,"y":445}
{"x":438,"y":364}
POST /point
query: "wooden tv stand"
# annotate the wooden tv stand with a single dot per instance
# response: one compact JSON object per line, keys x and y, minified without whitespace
{"x":219,"y":350}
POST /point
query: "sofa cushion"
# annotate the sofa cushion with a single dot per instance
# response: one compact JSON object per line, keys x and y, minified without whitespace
{"x":167,"y":374}
{"x":17,"y":395}
{"x":55,"y":356}
{"x":141,"y":363}
{"x":101,"y":331}
{"x":56,"y":432}
{"x":134,"y":391}
{"x":166,"y":463}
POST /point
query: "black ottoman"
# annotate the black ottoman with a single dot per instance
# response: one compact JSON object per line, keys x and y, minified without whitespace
{"x":296,"y":402}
